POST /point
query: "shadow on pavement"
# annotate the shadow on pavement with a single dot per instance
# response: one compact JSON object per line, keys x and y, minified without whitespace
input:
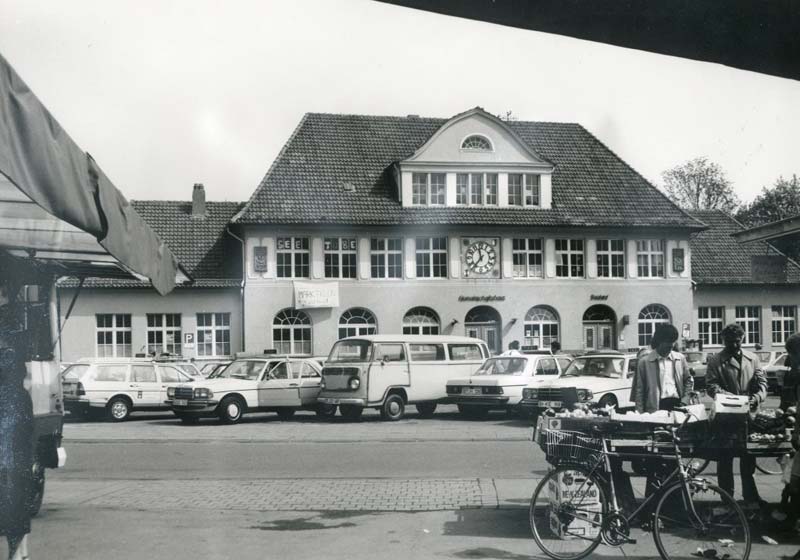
{"x":509,"y":523}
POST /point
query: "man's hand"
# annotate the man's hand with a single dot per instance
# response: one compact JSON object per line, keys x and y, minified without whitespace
{"x":753,"y":402}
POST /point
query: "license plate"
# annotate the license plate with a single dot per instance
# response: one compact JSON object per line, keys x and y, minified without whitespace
{"x":472,"y":391}
{"x":180,"y":402}
{"x":550,"y":404}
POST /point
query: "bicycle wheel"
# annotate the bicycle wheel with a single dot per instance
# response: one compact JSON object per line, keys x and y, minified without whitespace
{"x":768,"y":465}
{"x":711,"y":526}
{"x":566,"y":513}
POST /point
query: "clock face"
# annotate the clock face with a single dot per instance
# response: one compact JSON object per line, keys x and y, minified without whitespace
{"x":480,"y":257}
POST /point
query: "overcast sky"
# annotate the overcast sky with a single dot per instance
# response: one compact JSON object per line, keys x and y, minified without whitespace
{"x":165,"y":94}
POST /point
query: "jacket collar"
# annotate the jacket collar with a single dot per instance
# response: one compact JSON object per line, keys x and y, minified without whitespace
{"x":725,"y":356}
{"x":653,"y":356}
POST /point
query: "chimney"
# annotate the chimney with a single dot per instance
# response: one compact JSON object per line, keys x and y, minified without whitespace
{"x":198,"y":201}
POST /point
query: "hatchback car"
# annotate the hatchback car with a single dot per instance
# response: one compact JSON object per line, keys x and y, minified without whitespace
{"x":776,"y":372}
{"x":117,"y":387}
{"x":499,"y":382}
{"x":698,"y":363}
{"x":603,"y":377}
{"x":281,"y":384}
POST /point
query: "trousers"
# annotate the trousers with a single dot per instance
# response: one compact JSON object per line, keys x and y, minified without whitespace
{"x":747,"y":467}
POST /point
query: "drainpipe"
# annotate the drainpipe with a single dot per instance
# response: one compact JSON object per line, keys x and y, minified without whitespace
{"x":244,"y":279}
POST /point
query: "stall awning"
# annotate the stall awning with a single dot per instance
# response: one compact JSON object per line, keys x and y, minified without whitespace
{"x":57,"y":204}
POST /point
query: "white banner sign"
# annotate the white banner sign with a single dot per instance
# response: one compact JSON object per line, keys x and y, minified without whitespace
{"x":316,"y":295}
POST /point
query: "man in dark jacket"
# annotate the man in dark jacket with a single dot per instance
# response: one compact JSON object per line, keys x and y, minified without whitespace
{"x":737,"y":372}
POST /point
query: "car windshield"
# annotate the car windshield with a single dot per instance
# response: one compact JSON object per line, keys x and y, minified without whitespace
{"x":694,"y":356}
{"x":503,"y":366}
{"x":215,"y":371}
{"x":350,"y":351}
{"x":190,"y":370}
{"x":75,"y":372}
{"x":595,"y":367}
{"x":243,"y":369}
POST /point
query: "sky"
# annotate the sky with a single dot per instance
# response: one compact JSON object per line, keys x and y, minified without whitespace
{"x":171,"y":93}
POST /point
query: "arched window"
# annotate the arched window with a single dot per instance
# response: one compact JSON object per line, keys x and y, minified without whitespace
{"x":541,"y":327}
{"x":476,"y":142}
{"x":421,"y":320}
{"x":649,"y":317}
{"x":357,"y":322}
{"x":291,"y":332}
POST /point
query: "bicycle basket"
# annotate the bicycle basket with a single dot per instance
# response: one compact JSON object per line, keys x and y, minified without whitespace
{"x":570,"y":445}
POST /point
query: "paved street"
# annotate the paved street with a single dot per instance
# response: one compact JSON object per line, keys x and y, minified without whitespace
{"x":441,"y":488}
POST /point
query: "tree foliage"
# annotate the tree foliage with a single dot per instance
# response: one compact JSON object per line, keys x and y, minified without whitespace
{"x":779,"y":202}
{"x":700,"y":184}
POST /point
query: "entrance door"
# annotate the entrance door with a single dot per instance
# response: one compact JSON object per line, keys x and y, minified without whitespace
{"x":598,"y":328}
{"x":488,"y":333}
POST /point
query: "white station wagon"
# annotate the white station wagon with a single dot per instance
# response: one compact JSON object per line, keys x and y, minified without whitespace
{"x":499,"y":382}
{"x":266,"y":383}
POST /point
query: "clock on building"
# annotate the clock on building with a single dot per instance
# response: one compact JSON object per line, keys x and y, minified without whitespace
{"x":480,"y":258}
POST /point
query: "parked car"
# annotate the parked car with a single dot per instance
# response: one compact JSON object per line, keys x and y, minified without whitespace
{"x":208,"y":367}
{"x":603,"y":377}
{"x":116,"y":387}
{"x":499,"y":382}
{"x":388,"y":372}
{"x":262,"y":383}
{"x":776,"y":372}
{"x":698,"y":363}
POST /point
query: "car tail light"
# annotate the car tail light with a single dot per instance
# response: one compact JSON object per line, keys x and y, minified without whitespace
{"x":492,"y":390}
{"x":80,"y":391}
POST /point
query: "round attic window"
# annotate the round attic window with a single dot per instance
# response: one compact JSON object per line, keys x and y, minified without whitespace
{"x":476,"y":142}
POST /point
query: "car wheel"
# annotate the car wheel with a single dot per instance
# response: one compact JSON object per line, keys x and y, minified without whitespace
{"x":285,"y":413}
{"x":325,"y":410}
{"x":118,"y":409}
{"x":426,"y":410}
{"x":231,"y":410}
{"x":394,"y":407}
{"x":36,"y":495}
{"x":351,"y":411}
{"x":608,"y":400}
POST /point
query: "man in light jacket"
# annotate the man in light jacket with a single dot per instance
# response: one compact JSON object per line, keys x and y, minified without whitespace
{"x":662,"y":379}
{"x":737,"y":372}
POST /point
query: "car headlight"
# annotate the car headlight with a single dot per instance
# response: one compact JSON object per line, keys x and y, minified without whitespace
{"x":322,"y":383}
{"x":170,"y":392}
{"x":203,"y":393}
{"x":530,"y":393}
{"x":354,"y":383}
{"x":585,"y":394}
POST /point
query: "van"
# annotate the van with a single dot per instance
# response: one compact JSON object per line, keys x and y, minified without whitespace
{"x":388,"y":372}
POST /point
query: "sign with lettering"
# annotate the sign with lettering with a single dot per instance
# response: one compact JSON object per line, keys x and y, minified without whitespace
{"x":260,"y":259}
{"x":481,"y":298}
{"x":768,"y":268}
{"x":678,"y":264}
{"x":188,"y":340}
{"x":317,"y":294}
{"x":598,"y":297}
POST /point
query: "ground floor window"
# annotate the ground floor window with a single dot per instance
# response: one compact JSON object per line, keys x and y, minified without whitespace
{"x":113,"y":335}
{"x":783,"y":323}
{"x":709,"y":324}
{"x":291,"y":332}
{"x":421,"y":320}
{"x":649,"y":317}
{"x":164,"y":333}
{"x":213,"y":334}
{"x":541,"y":327}
{"x":357,"y":322}
{"x":749,"y":318}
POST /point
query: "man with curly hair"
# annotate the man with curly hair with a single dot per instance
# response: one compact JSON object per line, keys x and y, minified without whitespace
{"x":736,"y":371}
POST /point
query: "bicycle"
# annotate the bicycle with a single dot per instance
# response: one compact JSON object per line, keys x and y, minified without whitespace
{"x":575,"y":508}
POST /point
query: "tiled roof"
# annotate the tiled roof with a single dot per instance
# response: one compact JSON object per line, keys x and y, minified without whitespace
{"x":305,"y":184}
{"x":717,"y":258}
{"x":198,"y":243}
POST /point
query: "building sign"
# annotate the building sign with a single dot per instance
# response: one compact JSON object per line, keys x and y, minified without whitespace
{"x":188,"y":340}
{"x":481,"y":298}
{"x":768,"y":268}
{"x":308,"y":295}
{"x":678,"y":264}
{"x":598,"y":297}
{"x":686,"y":330}
{"x":480,"y":257}
{"x":260,"y":259}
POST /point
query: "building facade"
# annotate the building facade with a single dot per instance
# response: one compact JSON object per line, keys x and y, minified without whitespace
{"x":525,"y":231}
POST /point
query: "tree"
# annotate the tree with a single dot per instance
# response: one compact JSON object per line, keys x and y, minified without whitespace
{"x":777,"y":203}
{"x":700,"y":185}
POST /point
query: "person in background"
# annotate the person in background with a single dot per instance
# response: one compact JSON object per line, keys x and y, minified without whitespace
{"x":16,"y":427}
{"x":555,"y":347}
{"x":737,"y":372}
{"x":513,"y":349}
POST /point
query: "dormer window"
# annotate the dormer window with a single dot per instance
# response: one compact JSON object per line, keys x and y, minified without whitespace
{"x":523,"y":189}
{"x":477,"y":143}
{"x":428,"y":189}
{"x":476,"y":189}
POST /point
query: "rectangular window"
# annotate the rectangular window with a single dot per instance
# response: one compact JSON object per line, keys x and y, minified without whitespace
{"x":650,"y":258}
{"x":491,"y":189}
{"x":611,"y":258}
{"x":462,"y":352}
{"x":386,"y":257}
{"x":431,"y":253}
{"x":438,"y":187}
{"x":523,"y":190}
{"x":462,"y":188}
{"x":164,"y":333}
{"x":749,"y":318}
{"x":426,"y":352}
{"x":784,"y":322}
{"x":419,"y":189}
{"x":569,"y":258}
{"x":428,"y":189}
{"x":113,"y":335}
{"x":515,"y":189}
{"x":213,"y":334}
{"x":293,"y":257}
{"x":527,"y":257}
{"x":709,"y":324}
{"x":532,"y":190}
{"x":340,"y":257}
{"x":476,"y":188}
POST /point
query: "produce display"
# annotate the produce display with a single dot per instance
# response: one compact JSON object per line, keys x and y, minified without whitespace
{"x":772,"y":425}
